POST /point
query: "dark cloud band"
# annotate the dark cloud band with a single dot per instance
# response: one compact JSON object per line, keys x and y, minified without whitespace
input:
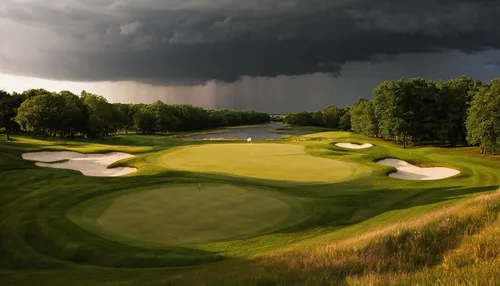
{"x":195,"y":41}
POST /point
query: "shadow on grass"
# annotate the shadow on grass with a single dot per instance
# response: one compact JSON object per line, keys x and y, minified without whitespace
{"x":408,"y":250}
{"x":358,"y":207}
{"x":47,"y":230}
{"x":338,"y":205}
{"x":372,"y":202}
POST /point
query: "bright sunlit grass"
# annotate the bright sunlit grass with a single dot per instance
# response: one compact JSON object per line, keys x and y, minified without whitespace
{"x":348,"y":222}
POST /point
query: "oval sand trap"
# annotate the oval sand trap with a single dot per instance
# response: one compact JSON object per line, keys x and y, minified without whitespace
{"x":189,"y":214}
{"x":354,"y":146}
{"x":94,"y":165}
{"x":407,"y":171}
{"x":285,"y":162}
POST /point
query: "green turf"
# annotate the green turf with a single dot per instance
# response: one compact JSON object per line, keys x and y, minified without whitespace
{"x":191,"y":214}
{"x":283,"y":162}
{"x":44,"y":239}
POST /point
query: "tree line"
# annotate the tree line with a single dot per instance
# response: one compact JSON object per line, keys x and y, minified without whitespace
{"x":415,"y":111}
{"x":331,"y":117}
{"x":67,"y":115}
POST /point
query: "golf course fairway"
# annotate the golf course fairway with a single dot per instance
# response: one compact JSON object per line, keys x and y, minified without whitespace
{"x":296,"y":211}
{"x":283,"y":162}
{"x":192,"y":214}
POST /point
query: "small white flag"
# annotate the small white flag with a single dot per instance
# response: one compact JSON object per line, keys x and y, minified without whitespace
{"x":249,"y":140}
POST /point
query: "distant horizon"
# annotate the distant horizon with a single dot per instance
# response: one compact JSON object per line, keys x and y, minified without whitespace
{"x":11,"y":83}
{"x":275,"y":56}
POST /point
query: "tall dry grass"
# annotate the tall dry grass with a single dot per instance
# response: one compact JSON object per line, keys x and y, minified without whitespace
{"x":433,"y":249}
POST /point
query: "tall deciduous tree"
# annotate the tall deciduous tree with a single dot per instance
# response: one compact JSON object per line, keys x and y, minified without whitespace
{"x":411,"y":110}
{"x":452,"y":102}
{"x":345,"y":120}
{"x":145,"y":120}
{"x":483,"y":121}
{"x":73,"y":115}
{"x":100,"y":112}
{"x":363,"y":118}
{"x":37,"y":113}
{"x":331,"y":117}
{"x":164,"y":117}
{"x":9,"y":105}
{"x":384,"y":108}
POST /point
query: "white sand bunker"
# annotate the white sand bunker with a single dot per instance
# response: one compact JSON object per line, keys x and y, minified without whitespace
{"x":407,"y":171}
{"x":94,"y":165}
{"x":354,"y":146}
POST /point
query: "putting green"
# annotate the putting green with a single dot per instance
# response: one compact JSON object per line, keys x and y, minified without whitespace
{"x":185,"y":214}
{"x":264,"y":161}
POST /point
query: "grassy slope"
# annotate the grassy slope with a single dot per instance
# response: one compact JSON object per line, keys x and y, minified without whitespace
{"x":39,"y":241}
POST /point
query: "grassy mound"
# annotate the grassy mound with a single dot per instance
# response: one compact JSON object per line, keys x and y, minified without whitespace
{"x":189,"y":214}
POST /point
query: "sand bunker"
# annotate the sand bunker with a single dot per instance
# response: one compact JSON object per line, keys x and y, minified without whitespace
{"x":94,"y":165}
{"x":407,"y":171}
{"x":354,"y":146}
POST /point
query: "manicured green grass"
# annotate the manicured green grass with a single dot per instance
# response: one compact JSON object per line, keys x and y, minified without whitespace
{"x":189,"y":214}
{"x":284,"y":162}
{"x":49,"y":219}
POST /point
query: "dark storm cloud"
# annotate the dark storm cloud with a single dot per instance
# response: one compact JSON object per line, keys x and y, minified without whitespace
{"x":170,"y":42}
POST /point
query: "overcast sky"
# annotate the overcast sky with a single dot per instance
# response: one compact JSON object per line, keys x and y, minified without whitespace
{"x":268,"y":55}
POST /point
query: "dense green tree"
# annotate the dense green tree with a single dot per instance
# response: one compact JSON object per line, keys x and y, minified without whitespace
{"x":301,"y":119}
{"x":452,"y":102}
{"x":305,"y":118}
{"x":145,"y":120}
{"x":290,"y":118}
{"x":414,"y":102}
{"x":101,"y":115}
{"x":73,"y":116}
{"x":165,"y":117}
{"x":483,"y":121}
{"x":218,"y":118}
{"x":317,"y":118}
{"x":38,"y":113}
{"x":363,"y":119}
{"x":384,"y":108}
{"x":9,"y":105}
{"x":5,"y":110}
{"x":345,"y":121}
{"x":191,"y":117}
{"x":120,"y":117}
{"x":331,"y":117}
{"x":30,"y":93}
{"x":405,"y":110}
{"x":420,"y":110}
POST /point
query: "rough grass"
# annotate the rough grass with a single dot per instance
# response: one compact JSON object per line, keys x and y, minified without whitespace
{"x":439,"y":248}
{"x":370,"y":229}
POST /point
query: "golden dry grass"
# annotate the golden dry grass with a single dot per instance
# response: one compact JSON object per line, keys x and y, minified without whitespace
{"x":436,"y":249}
